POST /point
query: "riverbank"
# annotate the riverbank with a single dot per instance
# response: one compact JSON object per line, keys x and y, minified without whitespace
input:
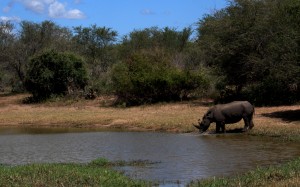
{"x":282,"y":122}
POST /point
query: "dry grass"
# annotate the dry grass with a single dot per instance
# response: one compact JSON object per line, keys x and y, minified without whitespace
{"x":176,"y":117}
{"x":283,"y":122}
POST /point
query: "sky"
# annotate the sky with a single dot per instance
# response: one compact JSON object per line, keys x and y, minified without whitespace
{"x":122,"y":16}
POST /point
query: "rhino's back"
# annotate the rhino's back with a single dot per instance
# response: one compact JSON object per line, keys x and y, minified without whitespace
{"x":233,"y":112}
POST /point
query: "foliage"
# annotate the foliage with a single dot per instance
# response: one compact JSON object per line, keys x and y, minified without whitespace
{"x":169,"y":41}
{"x":53,"y":73}
{"x":157,"y":65}
{"x":251,"y":46}
{"x":150,"y":78}
{"x":30,"y":39}
{"x":153,"y":38}
{"x":255,"y":43}
{"x":96,"y":44}
{"x":6,"y":48}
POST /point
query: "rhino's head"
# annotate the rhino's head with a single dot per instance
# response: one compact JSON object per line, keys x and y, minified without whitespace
{"x":204,"y":124}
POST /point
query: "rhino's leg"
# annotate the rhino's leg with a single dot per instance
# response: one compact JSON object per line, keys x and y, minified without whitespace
{"x":220,"y":125}
{"x":247,"y":122}
{"x":223,"y":127}
{"x":251,"y":122}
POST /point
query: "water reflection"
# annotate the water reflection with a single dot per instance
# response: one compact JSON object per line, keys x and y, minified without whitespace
{"x":182,"y":157}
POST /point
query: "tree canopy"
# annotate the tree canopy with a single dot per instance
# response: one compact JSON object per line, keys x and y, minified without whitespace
{"x":254,"y":45}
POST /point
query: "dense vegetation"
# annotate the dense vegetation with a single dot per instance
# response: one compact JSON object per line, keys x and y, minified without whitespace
{"x":55,"y":74}
{"x":248,"y":50}
{"x":150,"y":78}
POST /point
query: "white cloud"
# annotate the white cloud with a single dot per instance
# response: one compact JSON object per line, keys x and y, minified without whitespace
{"x":147,"y":12}
{"x":74,"y":14}
{"x":12,"y":19}
{"x":37,"y":6}
{"x":53,"y":8}
{"x":58,"y":10}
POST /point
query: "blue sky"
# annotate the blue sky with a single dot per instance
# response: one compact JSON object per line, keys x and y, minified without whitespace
{"x":121,"y":15}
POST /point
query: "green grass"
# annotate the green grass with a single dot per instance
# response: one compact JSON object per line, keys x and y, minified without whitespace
{"x":102,"y":162}
{"x":65,"y":175}
{"x":287,"y":174}
{"x":99,"y":173}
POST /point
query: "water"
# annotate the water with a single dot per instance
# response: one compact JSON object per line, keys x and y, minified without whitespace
{"x":178,"y":157}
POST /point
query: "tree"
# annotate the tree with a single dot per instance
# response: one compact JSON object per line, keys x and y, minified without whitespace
{"x":7,"y":39}
{"x":95,"y":44}
{"x":252,"y":44}
{"x":53,"y":73}
{"x":32,"y":39}
{"x":168,"y":39}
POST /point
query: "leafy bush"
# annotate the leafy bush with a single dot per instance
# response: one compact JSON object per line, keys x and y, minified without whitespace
{"x":271,"y":92}
{"x":54,"y":73}
{"x":146,"y":78}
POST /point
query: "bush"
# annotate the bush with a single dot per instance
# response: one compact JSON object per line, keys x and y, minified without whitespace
{"x":271,"y":92}
{"x":149,"y":79}
{"x":53,"y":73}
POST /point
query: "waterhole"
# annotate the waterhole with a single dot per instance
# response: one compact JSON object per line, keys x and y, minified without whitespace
{"x":177,"y":158}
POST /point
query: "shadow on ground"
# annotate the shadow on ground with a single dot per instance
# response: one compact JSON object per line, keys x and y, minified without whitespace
{"x":287,"y":115}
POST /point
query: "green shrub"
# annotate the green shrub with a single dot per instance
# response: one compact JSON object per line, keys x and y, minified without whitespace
{"x":271,"y":92}
{"x":151,"y":78}
{"x":53,"y":73}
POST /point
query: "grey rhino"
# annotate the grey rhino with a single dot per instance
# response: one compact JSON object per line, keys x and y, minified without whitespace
{"x":228,"y":113}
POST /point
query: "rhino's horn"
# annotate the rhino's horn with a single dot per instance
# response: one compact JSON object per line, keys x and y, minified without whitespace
{"x":197,"y":126}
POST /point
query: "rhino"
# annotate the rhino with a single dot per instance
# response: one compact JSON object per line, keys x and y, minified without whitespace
{"x":228,"y":113}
